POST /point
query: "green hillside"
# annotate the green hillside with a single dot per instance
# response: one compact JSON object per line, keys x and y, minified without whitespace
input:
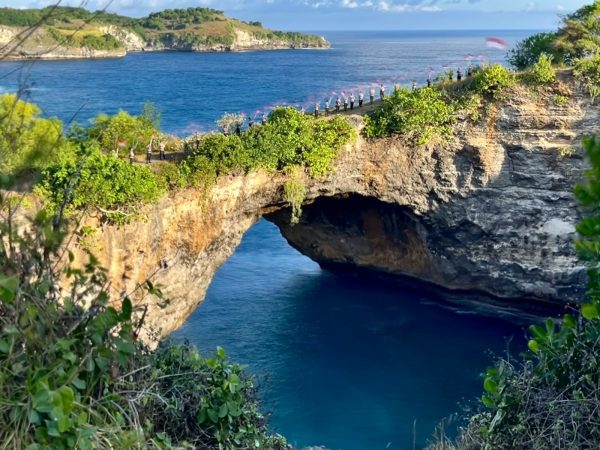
{"x":180,"y":29}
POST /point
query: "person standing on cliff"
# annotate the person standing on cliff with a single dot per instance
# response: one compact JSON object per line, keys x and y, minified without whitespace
{"x":317,"y":106}
{"x":372,"y":94}
{"x":458,"y":74}
{"x":250,"y":122}
{"x":352,"y":100}
{"x":382,"y":91}
{"x":414,"y":85}
{"x":149,"y":152}
{"x":264,"y":119}
{"x":327,"y":106}
{"x":345,"y":103}
{"x":161,"y":150}
{"x":361,"y":98}
{"x":338,"y":104}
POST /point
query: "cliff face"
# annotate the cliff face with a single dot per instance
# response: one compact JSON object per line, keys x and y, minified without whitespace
{"x":492,"y":210}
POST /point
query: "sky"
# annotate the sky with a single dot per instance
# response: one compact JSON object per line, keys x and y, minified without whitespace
{"x":306,"y":15}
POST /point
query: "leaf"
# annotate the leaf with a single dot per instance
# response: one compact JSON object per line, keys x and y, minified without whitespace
{"x":488,"y":401}
{"x":4,"y":346}
{"x":223,"y":410}
{"x":533,"y":346}
{"x":8,"y":288}
{"x":126,"y":309}
{"x":490,"y":386}
{"x":590,"y":311}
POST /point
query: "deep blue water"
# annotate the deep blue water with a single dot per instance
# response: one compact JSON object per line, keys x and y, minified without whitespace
{"x":347,"y":362}
{"x":193,"y":90}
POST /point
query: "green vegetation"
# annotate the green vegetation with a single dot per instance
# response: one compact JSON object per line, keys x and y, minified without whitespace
{"x":294,"y":192}
{"x":528,"y":51}
{"x":420,"y":115}
{"x":587,"y":71}
{"x":542,"y":72}
{"x":191,"y":28}
{"x":289,"y":139}
{"x":74,"y":373}
{"x":26,"y":140}
{"x":493,"y":81}
{"x":551,"y":398}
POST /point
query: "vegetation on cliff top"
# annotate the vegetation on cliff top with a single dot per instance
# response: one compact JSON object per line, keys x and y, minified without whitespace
{"x":189,"y":28}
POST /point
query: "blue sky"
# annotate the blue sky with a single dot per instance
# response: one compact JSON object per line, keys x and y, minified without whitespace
{"x":358,"y":14}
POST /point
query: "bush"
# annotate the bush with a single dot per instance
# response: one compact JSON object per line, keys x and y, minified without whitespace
{"x":289,"y":139}
{"x":492,"y":81}
{"x":587,"y":72}
{"x":26,"y":140}
{"x":542,"y":72}
{"x":98,"y":182}
{"x":528,"y":51}
{"x":421,"y":115}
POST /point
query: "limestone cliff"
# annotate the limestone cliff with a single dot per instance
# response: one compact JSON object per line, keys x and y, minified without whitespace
{"x":492,"y":210}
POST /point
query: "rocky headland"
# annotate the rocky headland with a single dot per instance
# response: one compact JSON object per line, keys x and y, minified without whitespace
{"x":492,"y":211}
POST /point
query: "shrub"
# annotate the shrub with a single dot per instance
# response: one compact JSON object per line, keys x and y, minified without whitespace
{"x":492,"y":81}
{"x":542,"y":72}
{"x":98,"y":182}
{"x":26,"y":140}
{"x":294,"y":192}
{"x":421,"y":115}
{"x":587,"y":72}
{"x":528,"y":51}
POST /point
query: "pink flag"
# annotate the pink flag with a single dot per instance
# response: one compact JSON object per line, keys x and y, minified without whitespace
{"x":494,"y":42}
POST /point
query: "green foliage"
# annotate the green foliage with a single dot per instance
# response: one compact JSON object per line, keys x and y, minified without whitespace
{"x":493,"y":81}
{"x":542,"y":72}
{"x":99,"y":182}
{"x":73,"y":373}
{"x":528,"y":51}
{"x":27,"y":141}
{"x":587,"y":72}
{"x":294,"y":192}
{"x":210,"y":401}
{"x":579,"y":35}
{"x":421,"y":115}
{"x":134,"y":131}
{"x":289,"y":139}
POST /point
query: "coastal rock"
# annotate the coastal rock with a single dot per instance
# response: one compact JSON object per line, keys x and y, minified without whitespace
{"x":490,"y":211}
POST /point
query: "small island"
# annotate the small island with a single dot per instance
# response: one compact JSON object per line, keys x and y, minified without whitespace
{"x":71,"y":33}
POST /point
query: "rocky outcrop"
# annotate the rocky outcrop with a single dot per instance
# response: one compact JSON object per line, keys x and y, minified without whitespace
{"x":492,"y":211}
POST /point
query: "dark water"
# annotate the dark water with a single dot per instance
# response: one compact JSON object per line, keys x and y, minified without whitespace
{"x":193,"y":90}
{"x":350,"y":363}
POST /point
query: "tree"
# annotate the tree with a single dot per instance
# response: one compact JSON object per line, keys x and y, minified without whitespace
{"x":580,"y":34}
{"x":528,"y":51}
{"x":25,"y":139}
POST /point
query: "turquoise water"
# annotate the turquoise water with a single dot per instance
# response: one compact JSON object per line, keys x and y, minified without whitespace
{"x":351,"y":363}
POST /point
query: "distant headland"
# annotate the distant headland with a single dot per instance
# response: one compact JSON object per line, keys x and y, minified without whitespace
{"x":71,"y":33}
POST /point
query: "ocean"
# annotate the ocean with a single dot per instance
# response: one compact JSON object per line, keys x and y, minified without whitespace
{"x":347,"y":362}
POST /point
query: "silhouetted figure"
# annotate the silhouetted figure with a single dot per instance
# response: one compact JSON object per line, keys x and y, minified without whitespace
{"x":352,"y":100}
{"x":382,"y":92}
{"x":414,"y":85}
{"x":238,"y":129}
{"x":250,"y":122}
{"x":264,"y":119}
{"x":458,"y":74}
{"x":470,"y":71}
{"x":429,"y":81}
{"x":372,"y":94}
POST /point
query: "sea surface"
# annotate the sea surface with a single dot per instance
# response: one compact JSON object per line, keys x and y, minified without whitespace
{"x":348,"y":362}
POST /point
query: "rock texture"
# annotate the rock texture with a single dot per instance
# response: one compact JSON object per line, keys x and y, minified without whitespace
{"x":491,"y":211}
